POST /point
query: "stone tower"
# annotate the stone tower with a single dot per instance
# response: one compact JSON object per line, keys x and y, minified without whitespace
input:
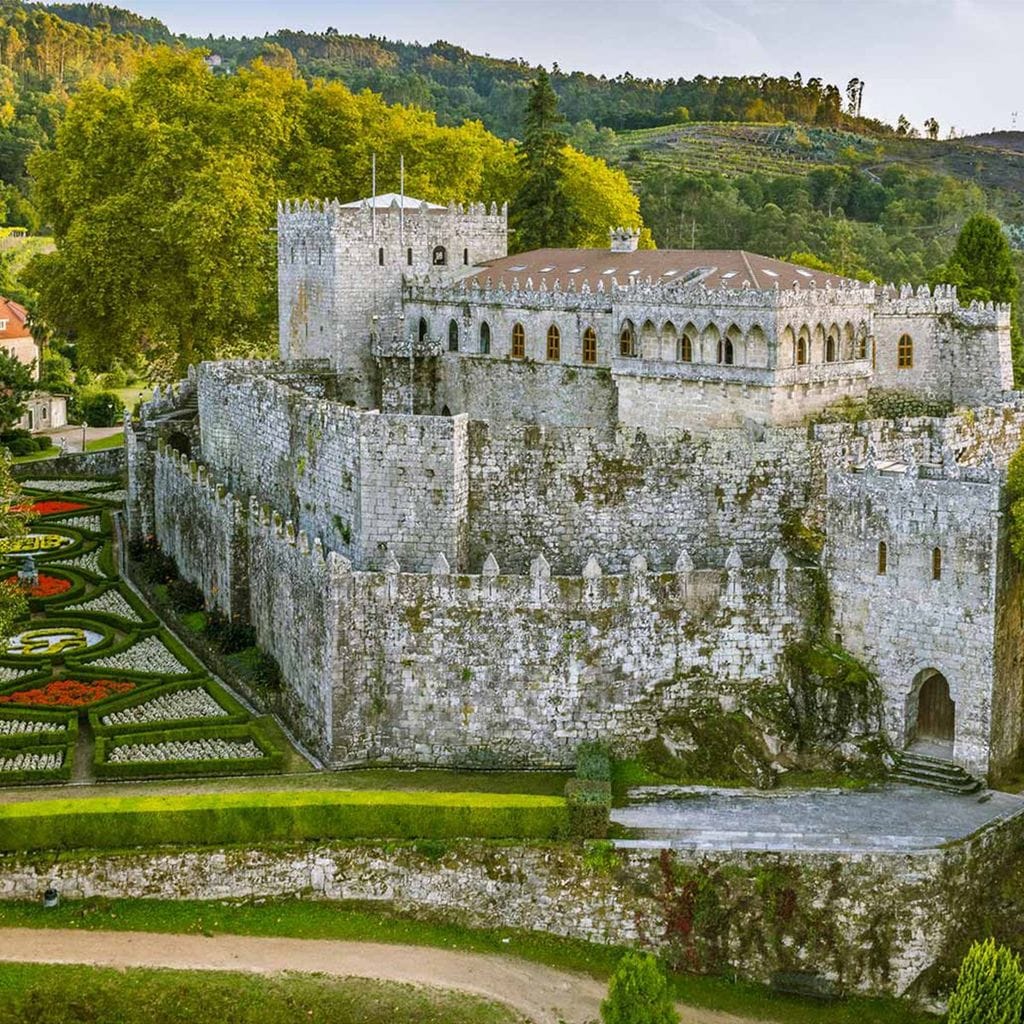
{"x":341,"y":267}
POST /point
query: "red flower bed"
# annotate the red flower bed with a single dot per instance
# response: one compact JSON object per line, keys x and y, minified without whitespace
{"x":68,"y":693}
{"x":48,"y":586}
{"x":50,"y":507}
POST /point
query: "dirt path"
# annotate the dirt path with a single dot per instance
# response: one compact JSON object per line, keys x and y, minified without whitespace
{"x":540,"y":993}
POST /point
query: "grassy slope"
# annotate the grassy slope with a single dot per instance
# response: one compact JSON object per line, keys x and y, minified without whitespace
{"x":314,"y":920}
{"x":58,"y":994}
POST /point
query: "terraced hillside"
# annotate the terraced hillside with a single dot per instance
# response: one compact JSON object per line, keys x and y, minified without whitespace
{"x":996,"y":164}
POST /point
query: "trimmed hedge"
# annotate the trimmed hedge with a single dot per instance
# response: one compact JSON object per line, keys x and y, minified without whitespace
{"x":61,"y":774}
{"x":589,"y":804}
{"x":593,"y":762}
{"x":272,"y":760}
{"x":146,"y":619}
{"x":87,"y":659}
{"x":253,"y":818}
{"x":68,"y":735}
{"x":236,"y":714}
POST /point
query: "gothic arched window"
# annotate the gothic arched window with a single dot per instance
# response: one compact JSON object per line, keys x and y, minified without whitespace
{"x":485,"y":337}
{"x":554,"y":343}
{"x":590,"y":345}
{"x":453,"y":336}
{"x":905,"y":353}
{"x":518,"y":342}
{"x":422,"y":333}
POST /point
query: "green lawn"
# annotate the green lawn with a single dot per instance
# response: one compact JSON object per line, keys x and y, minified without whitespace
{"x":46,"y":453}
{"x":371,"y":922}
{"x":101,"y":443}
{"x":59,"y":994}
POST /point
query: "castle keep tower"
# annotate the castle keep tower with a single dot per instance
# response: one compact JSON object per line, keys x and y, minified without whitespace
{"x":341,"y":267}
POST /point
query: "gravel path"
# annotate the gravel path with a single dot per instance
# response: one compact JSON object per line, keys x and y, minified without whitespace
{"x":540,"y":993}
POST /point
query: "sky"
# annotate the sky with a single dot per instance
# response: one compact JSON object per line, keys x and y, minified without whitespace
{"x":956,"y":60}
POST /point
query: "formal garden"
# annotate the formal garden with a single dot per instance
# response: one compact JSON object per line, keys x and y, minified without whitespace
{"x":92,"y":686}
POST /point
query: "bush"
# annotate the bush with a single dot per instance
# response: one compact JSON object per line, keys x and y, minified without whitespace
{"x":589,"y":803}
{"x":22,"y":446}
{"x":101,"y":409}
{"x":184,"y":596}
{"x":229,"y":635}
{"x":593,"y":762}
{"x":990,"y":987}
{"x":638,"y":993}
{"x":293,"y":816}
{"x":156,"y":567}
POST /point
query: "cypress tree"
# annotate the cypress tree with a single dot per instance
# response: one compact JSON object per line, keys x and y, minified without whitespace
{"x":990,"y":987}
{"x":541,"y":215}
{"x":981,"y":265}
{"x":638,"y":993}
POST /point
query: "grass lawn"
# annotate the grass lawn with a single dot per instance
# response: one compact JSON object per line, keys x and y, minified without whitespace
{"x":46,"y":453}
{"x":132,"y":395}
{"x":58,"y":994}
{"x":101,"y":443}
{"x":310,"y":919}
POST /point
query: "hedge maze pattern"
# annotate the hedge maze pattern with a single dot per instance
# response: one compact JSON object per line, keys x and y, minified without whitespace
{"x":92,"y":651}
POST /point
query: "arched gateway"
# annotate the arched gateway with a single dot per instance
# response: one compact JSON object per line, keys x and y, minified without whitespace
{"x":931,"y":712}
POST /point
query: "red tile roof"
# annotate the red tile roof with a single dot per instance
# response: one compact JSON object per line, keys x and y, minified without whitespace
{"x":714,"y":268}
{"x":16,"y":316}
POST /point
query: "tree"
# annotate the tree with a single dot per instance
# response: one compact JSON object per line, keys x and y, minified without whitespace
{"x":931,"y":128}
{"x":981,"y":264}
{"x":16,"y":384}
{"x":638,"y":993}
{"x":989,"y":988}
{"x":902,"y":125}
{"x":600,"y":198}
{"x":541,"y":214}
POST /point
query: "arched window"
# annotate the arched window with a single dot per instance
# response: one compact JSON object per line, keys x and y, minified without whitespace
{"x":408,"y":257}
{"x":485,"y":337}
{"x":554,"y":344}
{"x":380,"y":256}
{"x":465,"y":257}
{"x":687,"y":344}
{"x":936,"y":563}
{"x":725,"y":351}
{"x":861,"y":347}
{"x":883,"y":558}
{"x":590,"y":345}
{"x":648,"y":340}
{"x":422,"y":332}
{"x":803,"y":347}
{"x":669,"y":341}
{"x":627,"y":339}
{"x":905,"y":353}
{"x":849,"y":350}
{"x":453,"y":336}
{"x":830,"y":349}
{"x":518,"y":342}
{"x":440,"y":257}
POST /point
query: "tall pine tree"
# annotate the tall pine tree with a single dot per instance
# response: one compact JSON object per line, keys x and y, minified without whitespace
{"x":541,"y":211}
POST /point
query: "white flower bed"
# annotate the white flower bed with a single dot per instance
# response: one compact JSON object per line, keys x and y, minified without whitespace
{"x":10,"y":675}
{"x":148,"y":655}
{"x":90,"y":561}
{"x":24,"y":762}
{"x":92,"y":523}
{"x":66,"y":486}
{"x":27,"y":726}
{"x":168,"y":707}
{"x":119,"y":495}
{"x":184,"y":750}
{"x":110,"y":602}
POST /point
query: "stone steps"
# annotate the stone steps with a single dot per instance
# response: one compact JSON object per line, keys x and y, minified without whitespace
{"x":935,"y":773}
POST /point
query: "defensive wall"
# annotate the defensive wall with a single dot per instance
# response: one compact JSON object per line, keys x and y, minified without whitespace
{"x":882,"y":923}
{"x":445,"y":667}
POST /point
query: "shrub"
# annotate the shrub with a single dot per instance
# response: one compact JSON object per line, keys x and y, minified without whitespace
{"x":101,"y":409}
{"x":266,"y":671}
{"x":638,"y":993}
{"x":593,"y":762}
{"x":229,"y":635}
{"x":589,"y":802}
{"x":156,"y":567}
{"x":294,"y":816}
{"x":990,"y":987}
{"x":184,"y":596}
{"x":22,"y":446}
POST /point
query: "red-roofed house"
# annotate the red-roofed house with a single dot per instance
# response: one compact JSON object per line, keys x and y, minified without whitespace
{"x":15,"y":336}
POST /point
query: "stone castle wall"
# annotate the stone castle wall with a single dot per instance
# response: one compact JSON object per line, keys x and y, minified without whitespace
{"x":869,"y":923}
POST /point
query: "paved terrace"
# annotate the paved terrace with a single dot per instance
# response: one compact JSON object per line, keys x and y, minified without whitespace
{"x":884,"y":819}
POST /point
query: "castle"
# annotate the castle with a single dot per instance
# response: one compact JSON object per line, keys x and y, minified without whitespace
{"x":488,"y":507}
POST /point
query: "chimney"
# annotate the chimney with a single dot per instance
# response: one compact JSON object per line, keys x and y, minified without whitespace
{"x":624,"y":239}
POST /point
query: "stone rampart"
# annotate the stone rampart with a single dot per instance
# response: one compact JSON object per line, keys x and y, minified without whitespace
{"x":872,"y":923}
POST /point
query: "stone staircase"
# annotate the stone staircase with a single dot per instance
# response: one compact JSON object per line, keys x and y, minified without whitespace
{"x":923,"y":770}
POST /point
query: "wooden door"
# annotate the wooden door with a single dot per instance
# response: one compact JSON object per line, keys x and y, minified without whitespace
{"x":936,"y":713}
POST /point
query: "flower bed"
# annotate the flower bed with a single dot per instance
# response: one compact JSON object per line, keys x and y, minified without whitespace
{"x":150,"y":656}
{"x":213,"y":749}
{"x":68,"y":693}
{"x":35,"y":544}
{"x":107,"y":602}
{"x":194,"y":702}
{"x":120,"y":496}
{"x":28,"y":726}
{"x":29,"y":761}
{"x":92,"y":524}
{"x":65,"y":486}
{"x":90,"y":562}
{"x":50,"y":507}
{"x":48,"y":586}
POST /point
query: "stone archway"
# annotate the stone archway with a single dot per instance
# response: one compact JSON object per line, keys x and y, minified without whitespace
{"x":931,"y":712}
{"x":181,"y":443}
